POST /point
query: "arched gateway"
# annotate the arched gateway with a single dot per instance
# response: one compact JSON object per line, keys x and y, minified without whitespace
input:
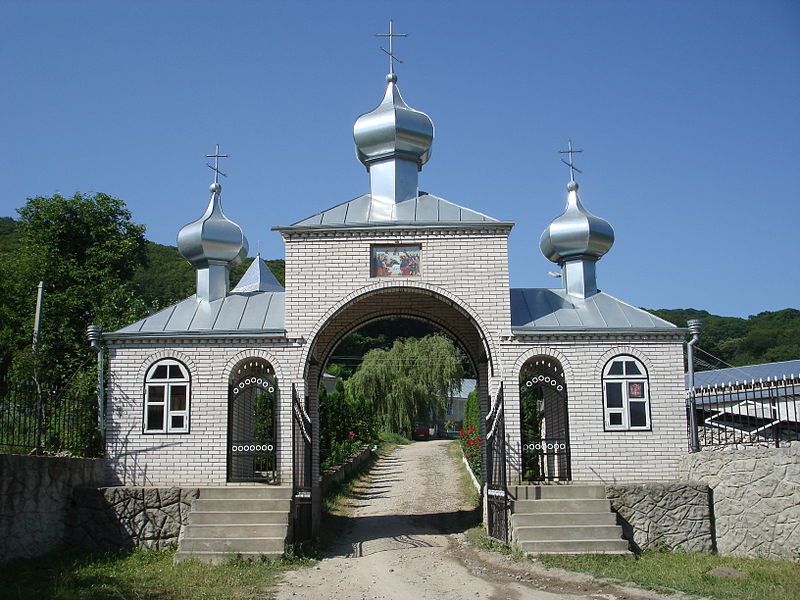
{"x":243,"y":407}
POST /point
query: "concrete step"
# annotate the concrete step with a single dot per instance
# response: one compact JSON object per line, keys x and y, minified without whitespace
{"x":241,"y":505}
{"x":238,"y":518}
{"x":567,"y":533}
{"x":260,"y":545}
{"x":558,"y":506}
{"x":236,"y":531}
{"x":217,"y":558}
{"x":543,"y":519}
{"x":609,"y":546}
{"x":275,"y":492}
{"x":577,"y":491}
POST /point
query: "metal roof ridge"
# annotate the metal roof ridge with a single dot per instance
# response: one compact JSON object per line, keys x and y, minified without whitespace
{"x":648,"y":313}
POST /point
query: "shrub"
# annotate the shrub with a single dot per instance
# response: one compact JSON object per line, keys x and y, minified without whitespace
{"x":470,"y":440}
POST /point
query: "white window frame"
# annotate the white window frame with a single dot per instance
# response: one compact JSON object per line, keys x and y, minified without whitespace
{"x":625,"y":380}
{"x":167,"y":383}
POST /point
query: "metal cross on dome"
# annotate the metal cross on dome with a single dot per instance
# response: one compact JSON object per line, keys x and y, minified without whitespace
{"x":570,"y":163}
{"x":216,"y":156}
{"x":390,"y":52}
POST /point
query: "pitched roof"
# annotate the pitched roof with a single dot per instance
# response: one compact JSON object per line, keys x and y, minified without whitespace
{"x":425,"y":209}
{"x":255,"y":306}
{"x":259,"y":313}
{"x":541,"y":309}
{"x":258,"y":278}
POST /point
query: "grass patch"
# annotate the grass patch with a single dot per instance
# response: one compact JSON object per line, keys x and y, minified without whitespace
{"x":387,"y":437}
{"x":140,"y":575}
{"x":467,"y":490}
{"x":689,"y":572}
{"x":478,"y":538}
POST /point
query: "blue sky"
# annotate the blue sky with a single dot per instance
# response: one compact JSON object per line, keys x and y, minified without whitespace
{"x":687,"y":113}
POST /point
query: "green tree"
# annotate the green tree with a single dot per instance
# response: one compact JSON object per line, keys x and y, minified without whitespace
{"x":86,"y":249}
{"x":472,"y":411}
{"x":409,"y":382}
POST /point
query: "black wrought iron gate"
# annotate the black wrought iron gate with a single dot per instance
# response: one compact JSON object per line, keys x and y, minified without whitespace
{"x":301,"y":482}
{"x":544,"y":421}
{"x":252,"y":421}
{"x":496,"y":489}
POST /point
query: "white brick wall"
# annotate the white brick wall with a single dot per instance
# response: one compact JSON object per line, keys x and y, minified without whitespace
{"x":463,"y":286}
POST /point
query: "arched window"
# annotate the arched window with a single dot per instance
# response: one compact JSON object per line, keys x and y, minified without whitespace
{"x":166,"y":398}
{"x":626,"y":394}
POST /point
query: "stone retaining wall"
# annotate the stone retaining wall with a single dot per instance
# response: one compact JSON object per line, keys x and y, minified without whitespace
{"x":129,"y":517}
{"x":756,"y":492}
{"x":671,"y":515}
{"x":340,"y":472}
{"x":35,"y":492}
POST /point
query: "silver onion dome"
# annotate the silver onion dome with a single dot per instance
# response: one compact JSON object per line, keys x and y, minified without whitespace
{"x":213,"y":238}
{"x":393,"y":130}
{"x":576,"y":233}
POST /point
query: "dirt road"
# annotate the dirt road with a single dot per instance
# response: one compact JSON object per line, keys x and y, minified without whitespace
{"x":401,"y":541}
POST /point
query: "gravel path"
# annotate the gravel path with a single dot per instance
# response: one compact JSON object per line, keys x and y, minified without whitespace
{"x":401,"y":541}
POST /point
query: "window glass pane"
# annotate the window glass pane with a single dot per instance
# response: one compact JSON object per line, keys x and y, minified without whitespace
{"x":615,"y":418}
{"x":177,"y":421}
{"x":613,"y":395}
{"x":631,"y":368}
{"x":155,"y":417}
{"x":155,"y":393}
{"x":177,"y":399}
{"x":636,"y":389}
{"x":175,"y":372}
{"x":160,"y":372}
{"x":638,"y":414}
{"x":616,"y":368}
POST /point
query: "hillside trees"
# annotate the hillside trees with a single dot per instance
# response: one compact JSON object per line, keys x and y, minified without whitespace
{"x":86,"y":249}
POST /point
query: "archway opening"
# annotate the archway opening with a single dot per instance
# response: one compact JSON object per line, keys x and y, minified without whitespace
{"x":252,"y":423}
{"x":544,"y":421}
{"x":394,"y":313}
{"x":377,"y":367}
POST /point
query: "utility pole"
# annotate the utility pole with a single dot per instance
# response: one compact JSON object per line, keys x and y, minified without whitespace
{"x":694,"y":329}
{"x":37,"y":319}
{"x":37,"y":325}
{"x":95,"y":336}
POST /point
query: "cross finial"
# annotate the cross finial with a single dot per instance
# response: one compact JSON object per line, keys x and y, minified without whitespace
{"x":216,"y":156}
{"x":390,"y":52}
{"x":570,"y":162}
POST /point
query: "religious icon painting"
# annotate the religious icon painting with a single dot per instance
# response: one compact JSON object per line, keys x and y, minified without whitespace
{"x":635,"y":389}
{"x":395,"y":261}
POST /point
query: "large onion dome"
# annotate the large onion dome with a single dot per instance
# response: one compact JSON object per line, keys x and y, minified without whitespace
{"x":213,"y":238}
{"x":576,"y":233}
{"x":393,"y":130}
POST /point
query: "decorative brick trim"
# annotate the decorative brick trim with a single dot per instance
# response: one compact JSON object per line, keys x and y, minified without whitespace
{"x":542,"y":351}
{"x":417,"y":286}
{"x":250,"y":353}
{"x":177,"y":355}
{"x":616,"y":351}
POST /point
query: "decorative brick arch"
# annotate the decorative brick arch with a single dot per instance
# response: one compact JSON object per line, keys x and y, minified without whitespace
{"x":616,"y":351}
{"x":173,"y":354}
{"x":435,"y":291}
{"x":542,"y":351}
{"x":251,"y":353}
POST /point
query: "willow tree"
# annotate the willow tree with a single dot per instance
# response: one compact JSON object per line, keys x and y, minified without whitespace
{"x":409,"y":382}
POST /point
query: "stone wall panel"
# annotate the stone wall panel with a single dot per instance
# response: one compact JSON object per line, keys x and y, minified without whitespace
{"x":668,"y":516}
{"x":114,"y":518}
{"x":756,"y":492}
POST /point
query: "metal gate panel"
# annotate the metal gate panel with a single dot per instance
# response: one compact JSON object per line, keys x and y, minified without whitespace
{"x":544,"y":422}
{"x":301,"y":470}
{"x":496,"y":488}
{"x":252,"y":420}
